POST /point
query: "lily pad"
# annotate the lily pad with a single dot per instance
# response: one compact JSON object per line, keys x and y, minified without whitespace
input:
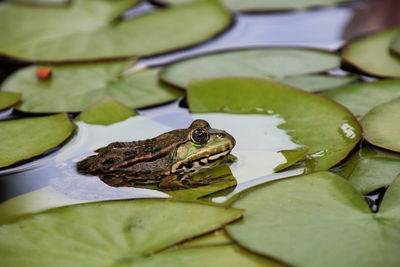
{"x":370,"y":169}
{"x":225,"y":255}
{"x":92,"y":30}
{"x":372,"y":54}
{"x":381,"y":126}
{"x":323,"y":214}
{"x":360,"y":98}
{"x":257,"y":5}
{"x":395,"y":46}
{"x":316,"y":83}
{"x":42,"y":2}
{"x":8,"y":99}
{"x":72,"y":88}
{"x":107,"y":233}
{"x":23,"y":139}
{"x":105,"y":112}
{"x":328,"y":130}
{"x":271,"y":63}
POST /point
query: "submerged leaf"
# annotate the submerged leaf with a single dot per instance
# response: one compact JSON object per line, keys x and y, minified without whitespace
{"x":370,"y":169}
{"x":271,"y":63}
{"x":360,"y":98}
{"x":372,"y":55}
{"x":106,"y":111}
{"x":328,"y":130}
{"x":107,"y":233}
{"x":92,"y":30}
{"x":75,"y":87}
{"x":381,"y":126}
{"x":8,"y":99}
{"x":321,"y":213}
{"x":23,"y":139}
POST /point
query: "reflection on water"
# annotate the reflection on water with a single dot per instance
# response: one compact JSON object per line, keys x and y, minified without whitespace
{"x":258,"y":141}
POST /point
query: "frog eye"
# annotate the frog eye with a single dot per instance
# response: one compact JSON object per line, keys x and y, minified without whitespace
{"x":199,"y":136}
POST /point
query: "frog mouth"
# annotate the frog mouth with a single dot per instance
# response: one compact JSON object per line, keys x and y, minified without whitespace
{"x":198,"y":162}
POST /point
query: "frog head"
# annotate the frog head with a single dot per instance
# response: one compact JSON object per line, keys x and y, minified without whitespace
{"x":204,"y":146}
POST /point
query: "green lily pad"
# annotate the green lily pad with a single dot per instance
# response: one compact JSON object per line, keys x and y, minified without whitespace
{"x":372,"y":56}
{"x":42,"y":2}
{"x":195,"y":194}
{"x":88,"y":30}
{"x":107,"y":233}
{"x":362,"y":97}
{"x":292,"y":156}
{"x":328,"y":130}
{"x":381,"y":126}
{"x":323,"y":214}
{"x":72,"y":88}
{"x":23,"y":139}
{"x":215,"y":238}
{"x":316,"y":83}
{"x":257,"y":5}
{"x":223,"y":255}
{"x":395,"y":46}
{"x":370,"y":169}
{"x":271,"y":63}
{"x":8,"y":99}
{"x":105,"y":112}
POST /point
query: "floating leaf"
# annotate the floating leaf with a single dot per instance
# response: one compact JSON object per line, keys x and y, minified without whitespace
{"x":395,"y":46}
{"x":88,"y":30}
{"x":362,"y":97}
{"x":257,"y":5}
{"x":218,"y":237}
{"x":225,"y":255}
{"x":381,"y":125}
{"x":32,"y":202}
{"x":75,"y":87}
{"x":271,"y":63}
{"x":323,"y":214}
{"x":370,"y":169}
{"x":23,"y":139}
{"x":8,"y":99}
{"x":372,"y":56}
{"x":106,"y":233}
{"x":221,"y":173}
{"x":315,"y":83}
{"x":105,"y":112}
{"x":292,"y":156}
{"x":42,"y":2}
{"x":328,"y":130}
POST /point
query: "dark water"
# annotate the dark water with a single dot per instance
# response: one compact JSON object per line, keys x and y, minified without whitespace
{"x":325,"y":28}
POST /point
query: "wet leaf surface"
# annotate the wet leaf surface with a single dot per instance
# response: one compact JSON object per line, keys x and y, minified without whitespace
{"x":381,"y":126}
{"x":257,"y":5}
{"x":316,"y":83}
{"x":321,"y":213}
{"x":395,"y":45}
{"x":370,"y":169}
{"x":372,"y":55}
{"x":271,"y":63}
{"x":225,"y":255}
{"x":42,"y":2}
{"x":72,"y":88}
{"x":107,"y":233}
{"x":8,"y":99}
{"x":106,"y":111}
{"x":303,"y":114}
{"x":362,"y":97}
{"x":24,"y":139}
{"x":92,"y":30}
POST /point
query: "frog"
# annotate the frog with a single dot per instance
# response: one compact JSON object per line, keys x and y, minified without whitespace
{"x":168,"y":160}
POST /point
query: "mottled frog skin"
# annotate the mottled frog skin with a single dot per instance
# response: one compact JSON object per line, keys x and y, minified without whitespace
{"x":166,"y":160}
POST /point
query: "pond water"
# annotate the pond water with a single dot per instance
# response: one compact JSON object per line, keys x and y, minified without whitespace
{"x":54,"y":176}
